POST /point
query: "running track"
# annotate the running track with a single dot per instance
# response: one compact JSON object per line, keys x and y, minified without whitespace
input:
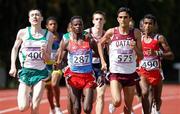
{"x":170,"y":105}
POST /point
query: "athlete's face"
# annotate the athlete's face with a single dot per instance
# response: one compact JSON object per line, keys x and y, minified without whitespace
{"x":35,"y":17}
{"x":123,"y":19}
{"x":98,"y":20}
{"x":148,"y":25}
{"x":52,"y":26}
{"x":77,"y":25}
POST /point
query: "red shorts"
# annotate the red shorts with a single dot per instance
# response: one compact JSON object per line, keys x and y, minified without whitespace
{"x":153,"y":77}
{"x":80,"y":80}
{"x":125,"y":79}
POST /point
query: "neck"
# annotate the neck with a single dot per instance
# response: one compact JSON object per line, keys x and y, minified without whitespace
{"x":77,"y":36}
{"x":35,"y":29}
{"x":149,"y":34}
{"x":97,"y":32}
{"x":97,"y":29}
{"x":124,"y":30}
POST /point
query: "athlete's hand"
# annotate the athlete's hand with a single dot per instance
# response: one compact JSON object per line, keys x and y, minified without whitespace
{"x":150,"y":52}
{"x":43,"y":48}
{"x":133,"y":44}
{"x":100,"y":81}
{"x":44,"y":52}
{"x":56,"y":66}
{"x":13,"y":72}
{"x":104,"y":66}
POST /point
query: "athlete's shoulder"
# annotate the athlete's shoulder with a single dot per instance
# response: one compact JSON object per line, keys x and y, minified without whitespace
{"x":22,"y":32}
{"x":137,"y":33}
{"x":87,"y":30}
{"x":160,"y":37}
{"x":110,"y":30}
{"x":66,"y":36}
{"x":48,"y":34}
{"x":84,"y":32}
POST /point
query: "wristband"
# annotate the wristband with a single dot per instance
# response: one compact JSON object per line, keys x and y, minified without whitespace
{"x":159,"y":53}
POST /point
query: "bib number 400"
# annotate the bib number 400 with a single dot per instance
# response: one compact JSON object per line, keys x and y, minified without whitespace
{"x":35,"y":55}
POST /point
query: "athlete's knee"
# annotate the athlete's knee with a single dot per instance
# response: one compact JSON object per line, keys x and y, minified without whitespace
{"x":100,"y":98}
{"x":87,"y":109}
{"x":76,"y":107}
{"x":54,"y":83}
{"x":117,"y":102}
{"x":127,"y":110}
{"x":23,"y":108}
{"x":158,"y":103}
{"x":23,"y":105}
{"x":144,"y":92}
{"x":76,"y":110}
{"x":35,"y":106}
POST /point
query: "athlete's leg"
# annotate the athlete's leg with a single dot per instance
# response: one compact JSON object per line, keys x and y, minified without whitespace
{"x":55,"y":85}
{"x":116,"y":88}
{"x":128,"y":98}
{"x":75,"y":96}
{"x":37,"y":95}
{"x":50,"y":96}
{"x":100,"y":99}
{"x":88,"y":100}
{"x":70,"y":104}
{"x":145,"y":94}
{"x":23,"y":97}
{"x":157,"y":95}
{"x":150,"y":98}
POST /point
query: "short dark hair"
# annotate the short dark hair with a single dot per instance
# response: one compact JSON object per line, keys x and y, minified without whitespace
{"x":35,"y":9}
{"x":75,"y":17}
{"x":51,"y":18}
{"x":100,"y":12}
{"x":124,"y":9}
{"x":150,"y":16}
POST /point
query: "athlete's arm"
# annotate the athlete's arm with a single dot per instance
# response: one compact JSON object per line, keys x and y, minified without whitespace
{"x":61,"y":50}
{"x":167,"y":53}
{"x":101,"y":43}
{"x":14,"y":52}
{"x":47,"y":51}
{"x":138,"y":46}
{"x":93,"y":44}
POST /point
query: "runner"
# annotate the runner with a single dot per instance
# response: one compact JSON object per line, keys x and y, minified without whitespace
{"x":97,"y":32}
{"x":52,"y":85}
{"x":35,"y":50}
{"x":78,"y":74}
{"x":125,"y":44}
{"x":154,"y":47}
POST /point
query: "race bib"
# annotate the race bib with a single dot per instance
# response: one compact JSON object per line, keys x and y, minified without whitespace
{"x":34,"y":53}
{"x":81,"y":60}
{"x":150,"y":64}
{"x":95,"y":60}
{"x":53,"y":54}
{"x":124,"y":58}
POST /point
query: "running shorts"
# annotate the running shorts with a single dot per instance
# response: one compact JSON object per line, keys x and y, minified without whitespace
{"x":32,"y":76}
{"x":153,"y":77}
{"x":80,"y":80}
{"x":125,"y":79}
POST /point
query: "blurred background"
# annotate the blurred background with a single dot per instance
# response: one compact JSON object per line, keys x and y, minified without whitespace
{"x":14,"y":16}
